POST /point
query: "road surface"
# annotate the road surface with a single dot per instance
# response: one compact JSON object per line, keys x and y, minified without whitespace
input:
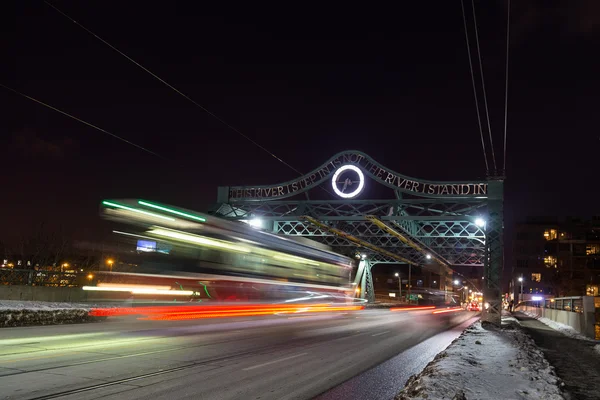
{"x":334,"y":355}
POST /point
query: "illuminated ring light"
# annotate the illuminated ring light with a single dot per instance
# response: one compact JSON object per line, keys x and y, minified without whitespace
{"x":361,"y":181}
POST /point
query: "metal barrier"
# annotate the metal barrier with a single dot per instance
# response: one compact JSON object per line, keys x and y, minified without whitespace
{"x":580,"y":312}
{"x":28,"y":277}
{"x":573,"y":304}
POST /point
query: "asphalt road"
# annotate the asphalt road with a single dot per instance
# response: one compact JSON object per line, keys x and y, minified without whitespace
{"x":337,"y":355}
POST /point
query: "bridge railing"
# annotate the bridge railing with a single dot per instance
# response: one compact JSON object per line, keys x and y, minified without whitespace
{"x":578,"y":312}
{"x":574,"y":304}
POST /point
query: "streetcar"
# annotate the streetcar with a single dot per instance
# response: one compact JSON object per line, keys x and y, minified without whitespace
{"x":219,"y":259}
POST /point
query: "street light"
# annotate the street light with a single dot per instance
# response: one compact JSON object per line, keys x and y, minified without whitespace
{"x":397,"y":275}
{"x":428,"y":256}
{"x":256,"y":223}
{"x":521,"y":296}
{"x":110,"y":263}
{"x":456,"y":282}
{"x":480,"y":222}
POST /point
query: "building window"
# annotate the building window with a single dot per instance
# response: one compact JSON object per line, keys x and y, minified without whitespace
{"x":591,"y":290}
{"x":536,"y":277}
{"x":550,"y":261}
{"x":592,"y":248}
{"x":550,"y":234}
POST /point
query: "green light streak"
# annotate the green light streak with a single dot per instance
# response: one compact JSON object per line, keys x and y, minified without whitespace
{"x":108,"y":203}
{"x":206,"y":290}
{"x":169,"y":210}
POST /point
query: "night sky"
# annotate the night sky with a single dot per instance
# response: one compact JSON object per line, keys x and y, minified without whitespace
{"x":305,"y":82}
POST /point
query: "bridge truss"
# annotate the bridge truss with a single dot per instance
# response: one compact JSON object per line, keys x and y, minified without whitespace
{"x":438,"y":226}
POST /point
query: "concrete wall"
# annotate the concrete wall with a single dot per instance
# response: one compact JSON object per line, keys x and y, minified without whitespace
{"x":43,"y":293}
{"x":583,"y":323}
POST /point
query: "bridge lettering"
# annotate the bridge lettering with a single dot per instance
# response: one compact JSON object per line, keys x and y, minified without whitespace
{"x":376,"y":172}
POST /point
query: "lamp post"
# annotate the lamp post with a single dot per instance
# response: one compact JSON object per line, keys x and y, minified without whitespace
{"x":399,"y":285}
{"x":521,"y":295}
{"x":409,"y":272}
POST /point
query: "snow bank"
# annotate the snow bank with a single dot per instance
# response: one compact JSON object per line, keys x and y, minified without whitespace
{"x":562,"y":328}
{"x":39,"y":305}
{"x":23,"y":313}
{"x":490,"y":363}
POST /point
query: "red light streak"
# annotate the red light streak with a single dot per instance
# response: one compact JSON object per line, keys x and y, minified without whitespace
{"x":447,"y":310}
{"x":412,"y":308}
{"x":217,"y":311}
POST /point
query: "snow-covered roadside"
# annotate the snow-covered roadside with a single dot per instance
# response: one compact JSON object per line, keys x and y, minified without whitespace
{"x":39,"y":305}
{"x":562,"y":328}
{"x":26,"y":313}
{"x":489,"y":363}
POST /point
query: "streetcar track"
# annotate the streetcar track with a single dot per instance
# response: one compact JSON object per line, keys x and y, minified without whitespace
{"x":116,"y":357}
{"x":157,"y":373}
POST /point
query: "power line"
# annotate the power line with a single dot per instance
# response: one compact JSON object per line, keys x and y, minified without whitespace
{"x":487,"y":113}
{"x":506,"y":86}
{"x":487,"y":168}
{"x":175,"y":89}
{"x":84,"y":122}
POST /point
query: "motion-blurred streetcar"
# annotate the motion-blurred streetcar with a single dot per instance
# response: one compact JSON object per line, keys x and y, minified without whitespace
{"x":216,"y":259}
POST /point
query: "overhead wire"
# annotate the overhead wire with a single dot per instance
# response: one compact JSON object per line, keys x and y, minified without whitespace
{"x":129,"y":142}
{"x":487,"y":168}
{"x":487,"y":113}
{"x":175,"y":89}
{"x":506,"y":86}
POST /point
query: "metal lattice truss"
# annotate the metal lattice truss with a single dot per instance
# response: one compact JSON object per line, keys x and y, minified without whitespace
{"x":421,"y":209}
{"x":435,"y":225}
{"x":446,"y":229}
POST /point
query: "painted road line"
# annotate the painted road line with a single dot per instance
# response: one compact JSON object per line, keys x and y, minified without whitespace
{"x":380,"y":333}
{"x":273,"y":362}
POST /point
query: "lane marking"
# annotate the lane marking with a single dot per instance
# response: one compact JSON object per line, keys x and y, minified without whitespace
{"x":380,"y":333}
{"x":273,"y":362}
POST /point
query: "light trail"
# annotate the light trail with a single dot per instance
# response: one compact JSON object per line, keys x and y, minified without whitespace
{"x":412,"y":308}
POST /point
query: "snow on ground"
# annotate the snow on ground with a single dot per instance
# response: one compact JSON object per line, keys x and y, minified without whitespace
{"x":39,"y":305}
{"x":24,"y":313}
{"x":491,"y":363}
{"x":597,"y":348}
{"x":562,"y":328}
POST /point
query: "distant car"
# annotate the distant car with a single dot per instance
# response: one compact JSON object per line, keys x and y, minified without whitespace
{"x":473,"y":307}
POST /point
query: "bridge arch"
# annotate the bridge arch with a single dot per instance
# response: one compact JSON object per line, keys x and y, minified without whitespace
{"x":441,"y":226}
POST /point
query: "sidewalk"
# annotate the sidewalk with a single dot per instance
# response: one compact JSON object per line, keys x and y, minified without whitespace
{"x":487,"y":363}
{"x":574,"y":360}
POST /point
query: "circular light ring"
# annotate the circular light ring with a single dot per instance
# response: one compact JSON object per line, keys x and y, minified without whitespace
{"x":361,"y":181}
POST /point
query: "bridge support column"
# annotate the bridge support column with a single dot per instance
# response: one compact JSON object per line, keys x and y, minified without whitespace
{"x":494,"y":257}
{"x":364,"y":281}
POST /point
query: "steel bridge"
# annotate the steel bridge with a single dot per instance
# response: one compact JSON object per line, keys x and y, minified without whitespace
{"x":438,"y":226}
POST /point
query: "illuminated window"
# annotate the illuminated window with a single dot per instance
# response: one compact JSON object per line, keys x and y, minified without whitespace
{"x":592,"y":249}
{"x":550,"y":261}
{"x":536,"y":278}
{"x":591,"y":290}
{"x":550,"y":234}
